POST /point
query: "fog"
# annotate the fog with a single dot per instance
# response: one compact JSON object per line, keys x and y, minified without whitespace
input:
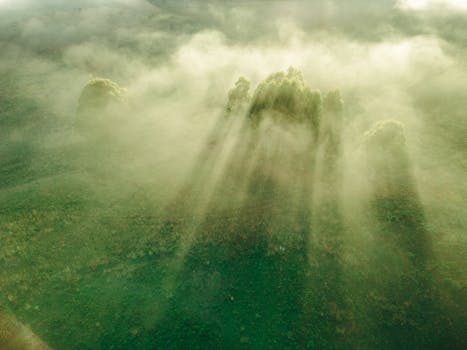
{"x":233,"y":174}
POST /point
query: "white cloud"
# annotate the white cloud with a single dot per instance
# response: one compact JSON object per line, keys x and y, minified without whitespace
{"x":431,"y":4}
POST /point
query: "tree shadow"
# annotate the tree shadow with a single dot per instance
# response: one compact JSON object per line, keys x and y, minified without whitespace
{"x":403,"y":301}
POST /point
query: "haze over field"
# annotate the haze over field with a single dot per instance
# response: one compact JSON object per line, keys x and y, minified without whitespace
{"x":233,"y":174}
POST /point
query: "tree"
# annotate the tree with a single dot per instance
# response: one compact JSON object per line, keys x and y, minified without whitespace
{"x":285,"y":96}
{"x":98,"y":95}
